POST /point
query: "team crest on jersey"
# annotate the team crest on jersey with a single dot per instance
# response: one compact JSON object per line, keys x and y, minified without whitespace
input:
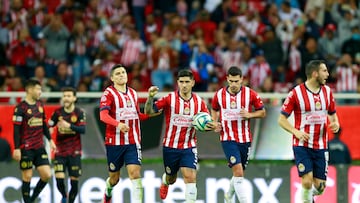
{"x":233,"y":104}
{"x":29,"y":111}
{"x":301,"y":167}
{"x":112,"y":166}
{"x":232,"y":159}
{"x":128,"y":103}
{"x":103,"y":98}
{"x":73,"y":118}
{"x":187,"y":111}
{"x":318,"y":105}
{"x":168,"y":169}
{"x":41,"y":110}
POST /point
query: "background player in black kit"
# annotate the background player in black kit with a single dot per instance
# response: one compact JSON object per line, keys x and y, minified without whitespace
{"x":70,"y":123}
{"x":29,"y":129}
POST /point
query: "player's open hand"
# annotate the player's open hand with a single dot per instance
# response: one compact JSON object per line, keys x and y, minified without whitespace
{"x":302,"y":135}
{"x":334,"y":126}
{"x":17,"y":154}
{"x":153,"y":90}
{"x":210,"y":126}
{"x":63,"y":124}
{"x":52,"y":145}
{"x":244,"y":113}
{"x":123,"y":127}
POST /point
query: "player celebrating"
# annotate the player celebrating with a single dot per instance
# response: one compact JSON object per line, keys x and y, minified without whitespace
{"x":232,"y":105}
{"x":312,"y":103}
{"x":179,"y":144}
{"x":29,"y":129}
{"x":120,"y":112}
{"x":70,"y":122}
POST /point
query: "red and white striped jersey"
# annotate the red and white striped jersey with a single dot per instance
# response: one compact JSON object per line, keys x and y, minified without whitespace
{"x":178,"y":113}
{"x":124,"y":108}
{"x":131,"y":51}
{"x":310,"y":114}
{"x":347,"y":79}
{"x":294,"y":59}
{"x":234,"y":127}
{"x":231,"y":58}
{"x":257,"y":74}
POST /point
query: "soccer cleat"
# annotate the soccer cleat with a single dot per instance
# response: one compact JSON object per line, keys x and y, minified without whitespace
{"x":163,"y":191}
{"x":63,"y":200}
{"x":106,"y":199}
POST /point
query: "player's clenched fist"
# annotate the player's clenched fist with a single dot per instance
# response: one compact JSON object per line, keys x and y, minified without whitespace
{"x":153,"y":90}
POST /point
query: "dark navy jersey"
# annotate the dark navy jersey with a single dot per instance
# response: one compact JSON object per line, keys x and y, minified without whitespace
{"x":68,"y":142}
{"x":31,"y":119}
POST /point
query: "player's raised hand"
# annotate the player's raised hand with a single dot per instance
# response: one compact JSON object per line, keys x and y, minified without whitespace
{"x":153,"y":90}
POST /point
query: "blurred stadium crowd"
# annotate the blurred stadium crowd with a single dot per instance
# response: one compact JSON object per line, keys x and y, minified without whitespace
{"x":76,"y":42}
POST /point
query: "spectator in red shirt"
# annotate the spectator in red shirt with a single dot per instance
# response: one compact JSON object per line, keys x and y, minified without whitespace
{"x":206,"y":25}
{"x":21,"y":53}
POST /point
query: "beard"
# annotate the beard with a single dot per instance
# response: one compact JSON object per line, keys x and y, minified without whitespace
{"x":321,"y":81}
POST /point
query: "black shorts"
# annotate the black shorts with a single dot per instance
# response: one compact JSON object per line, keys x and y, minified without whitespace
{"x":70,"y":163}
{"x":36,"y":157}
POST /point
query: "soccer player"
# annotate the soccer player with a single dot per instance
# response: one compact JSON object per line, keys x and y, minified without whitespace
{"x":313,"y":104}
{"x":29,"y":129}
{"x":233,"y":107}
{"x":70,"y":123}
{"x":179,"y":144}
{"x":120,"y":112}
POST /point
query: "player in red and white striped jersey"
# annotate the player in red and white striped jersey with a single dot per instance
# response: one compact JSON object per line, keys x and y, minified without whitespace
{"x":120,"y":112}
{"x":232,"y":105}
{"x":313,"y":105}
{"x":179,"y":144}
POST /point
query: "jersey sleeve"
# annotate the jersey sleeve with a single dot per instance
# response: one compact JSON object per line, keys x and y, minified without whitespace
{"x":215,"y":102}
{"x":288,"y":105}
{"x":106,"y":101}
{"x":204,"y":107}
{"x":332,"y":108}
{"x":82,"y":117}
{"x":162,"y":102}
{"x":53,"y":119}
{"x":18,"y":116}
{"x":256,"y":100}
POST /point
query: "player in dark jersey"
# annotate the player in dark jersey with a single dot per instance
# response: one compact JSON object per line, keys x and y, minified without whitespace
{"x":70,"y":123}
{"x":29,"y":128}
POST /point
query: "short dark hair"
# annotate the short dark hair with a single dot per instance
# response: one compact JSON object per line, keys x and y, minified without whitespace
{"x":313,"y":65}
{"x":234,"y":71}
{"x":69,"y":89}
{"x":185,"y":73}
{"x":116,"y":66}
{"x":31,"y":83}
